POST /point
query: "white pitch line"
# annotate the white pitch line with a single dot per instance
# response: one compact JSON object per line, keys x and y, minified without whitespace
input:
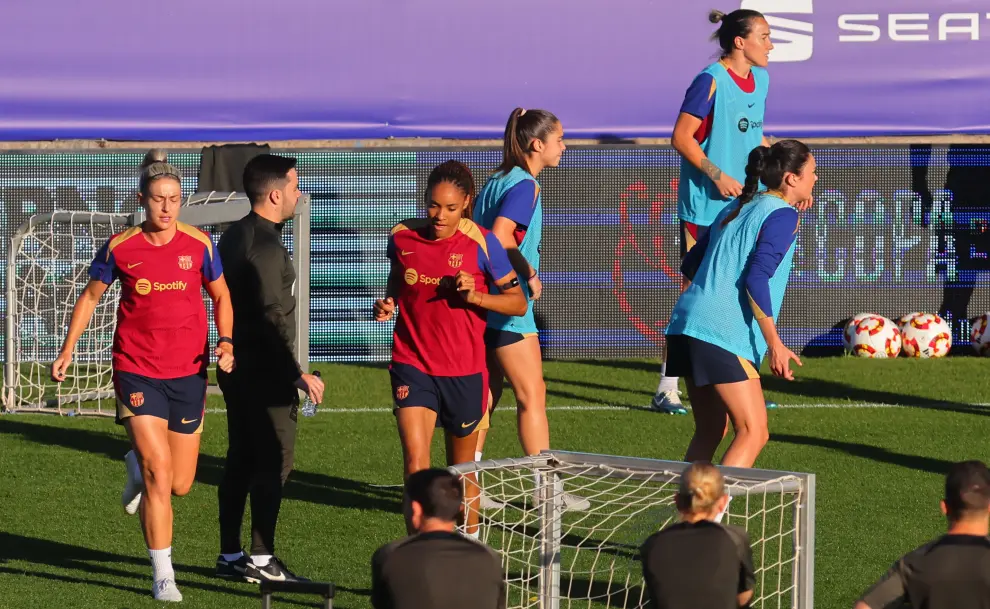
{"x":606,"y":407}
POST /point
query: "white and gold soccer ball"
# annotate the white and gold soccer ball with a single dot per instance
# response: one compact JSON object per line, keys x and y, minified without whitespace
{"x":873,"y":336}
{"x":904,"y":320}
{"x":980,"y":336}
{"x":927,"y":335}
{"x":847,"y":332}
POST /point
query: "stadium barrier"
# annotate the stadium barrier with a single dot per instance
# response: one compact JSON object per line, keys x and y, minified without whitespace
{"x":895,"y":229}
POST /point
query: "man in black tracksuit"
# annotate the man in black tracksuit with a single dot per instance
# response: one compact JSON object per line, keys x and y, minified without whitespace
{"x":261,"y":393}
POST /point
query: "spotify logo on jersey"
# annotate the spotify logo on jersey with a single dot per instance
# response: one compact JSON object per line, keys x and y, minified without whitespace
{"x":142,"y":287}
{"x":412,"y":276}
{"x":744,"y":124}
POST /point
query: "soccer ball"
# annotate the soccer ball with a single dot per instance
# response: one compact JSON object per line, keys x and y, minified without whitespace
{"x":872,"y":336}
{"x":850,"y":329}
{"x":927,"y":335}
{"x":904,"y":320}
{"x":980,"y":337}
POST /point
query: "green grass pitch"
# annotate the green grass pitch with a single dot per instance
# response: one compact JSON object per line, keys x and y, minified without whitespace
{"x":66,"y":542}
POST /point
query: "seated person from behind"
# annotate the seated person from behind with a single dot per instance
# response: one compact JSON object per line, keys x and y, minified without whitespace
{"x":437,"y":567}
{"x":698,"y":563}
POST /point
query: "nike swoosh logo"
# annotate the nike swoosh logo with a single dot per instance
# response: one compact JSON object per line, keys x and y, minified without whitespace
{"x":131,"y":266}
{"x":466,"y":425}
{"x":275,"y":578}
{"x":752,"y":104}
{"x":405,"y":253}
{"x":185,"y":422}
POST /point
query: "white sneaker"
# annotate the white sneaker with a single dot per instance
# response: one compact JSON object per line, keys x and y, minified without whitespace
{"x":487,"y":503}
{"x":668,"y":402}
{"x":571,"y":503}
{"x":166,"y":590}
{"x":131,"y":497}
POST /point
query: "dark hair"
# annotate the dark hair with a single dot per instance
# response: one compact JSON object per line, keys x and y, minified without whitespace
{"x":264,"y":173}
{"x":456,"y":173}
{"x":154,"y":167}
{"x":737,"y":23}
{"x":768,"y":165}
{"x":438,"y":491}
{"x":523,"y":127}
{"x":967,"y":490}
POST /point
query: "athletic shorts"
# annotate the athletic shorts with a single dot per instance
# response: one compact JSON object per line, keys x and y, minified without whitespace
{"x":705,"y":363}
{"x":496,"y":339}
{"x":691,"y":233}
{"x":181,"y":401}
{"x":461,"y":402}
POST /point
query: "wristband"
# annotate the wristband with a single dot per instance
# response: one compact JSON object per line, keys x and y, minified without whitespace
{"x":508,"y":285}
{"x":531,"y":276}
{"x":225,"y":339}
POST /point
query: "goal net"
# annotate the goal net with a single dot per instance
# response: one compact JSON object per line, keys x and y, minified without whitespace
{"x":47,"y":268}
{"x":554,"y":557}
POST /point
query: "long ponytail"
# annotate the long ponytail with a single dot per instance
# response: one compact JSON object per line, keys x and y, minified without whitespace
{"x":770,"y":165}
{"x":522,"y":128}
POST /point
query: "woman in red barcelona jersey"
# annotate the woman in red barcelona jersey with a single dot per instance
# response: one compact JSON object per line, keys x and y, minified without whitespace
{"x":160,"y":352}
{"x":441,"y":268}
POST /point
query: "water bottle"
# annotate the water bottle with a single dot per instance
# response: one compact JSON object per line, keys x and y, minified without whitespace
{"x":308,"y":407}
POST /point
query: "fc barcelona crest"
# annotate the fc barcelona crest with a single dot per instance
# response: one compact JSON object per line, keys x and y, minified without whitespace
{"x":402,"y":392}
{"x":185,"y":262}
{"x":455,"y":261}
{"x":137,"y":400}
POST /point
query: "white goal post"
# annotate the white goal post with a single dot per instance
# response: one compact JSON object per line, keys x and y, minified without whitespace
{"x":47,"y":267}
{"x":555,"y":558}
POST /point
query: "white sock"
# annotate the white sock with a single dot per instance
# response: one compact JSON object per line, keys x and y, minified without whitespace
{"x":477,"y":455}
{"x":233,"y":557}
{"x":474,"y":535}
{"x":261,"y":560}
{"x":667,"y":383}
{"x":161,"y":564}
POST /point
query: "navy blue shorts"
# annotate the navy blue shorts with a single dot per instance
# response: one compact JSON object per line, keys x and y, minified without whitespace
{"x":181,"y":401}
{"x":496,"y":339}
{"x":461,"y":402}
{"x":705,"y":363}
{"x":691,"y":233}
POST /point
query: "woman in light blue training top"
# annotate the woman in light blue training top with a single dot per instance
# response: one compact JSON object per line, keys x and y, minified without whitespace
{"x":723,"y":323}
{"x":720,"y":123}
{"x":509,"y":206}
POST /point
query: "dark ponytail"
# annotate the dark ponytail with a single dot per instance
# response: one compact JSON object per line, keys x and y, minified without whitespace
{"x":737,"y":23}
{"x":456,"y":173}
{"x":523,"y":127}
{"x":770,"y":165}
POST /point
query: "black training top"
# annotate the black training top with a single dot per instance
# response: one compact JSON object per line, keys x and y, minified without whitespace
{"x":260,"y":276}
{"x":437,"y":570}
{"x":952,"y":572}
{"x":701,"y":565}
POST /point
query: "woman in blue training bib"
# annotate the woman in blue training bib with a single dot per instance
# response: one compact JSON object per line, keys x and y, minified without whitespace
{"x":509,"y":205}
{"x":720,"y":122}
{"x":723,"y":323}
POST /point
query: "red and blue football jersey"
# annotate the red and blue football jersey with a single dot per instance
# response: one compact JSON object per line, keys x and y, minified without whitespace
{"x":436,"y":331}
{"x":161,"y":320}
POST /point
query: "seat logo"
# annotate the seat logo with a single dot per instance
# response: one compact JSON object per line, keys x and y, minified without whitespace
{"x":792,"y":38}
